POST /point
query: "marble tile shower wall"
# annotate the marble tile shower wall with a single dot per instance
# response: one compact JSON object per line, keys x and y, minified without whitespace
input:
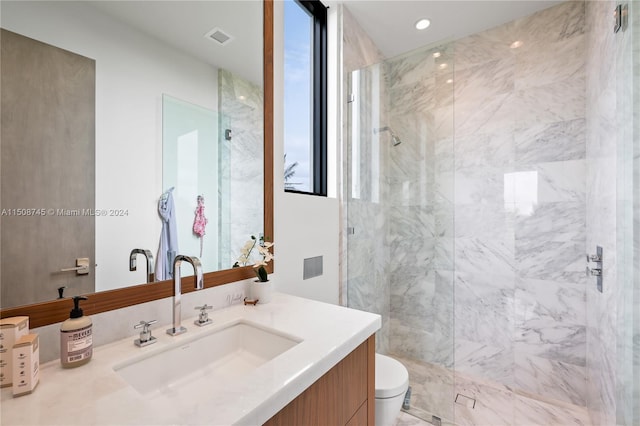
{"x":520,"y":204}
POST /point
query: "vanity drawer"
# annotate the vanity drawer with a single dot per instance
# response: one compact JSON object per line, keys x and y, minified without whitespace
{"x":340,"y":397}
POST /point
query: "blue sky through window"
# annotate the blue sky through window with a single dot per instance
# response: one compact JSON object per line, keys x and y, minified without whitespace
{"x":297,"y":93}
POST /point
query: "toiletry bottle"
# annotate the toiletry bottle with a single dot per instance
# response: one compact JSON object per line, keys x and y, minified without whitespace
{"x":11,"y":330}
{"x":76,"y":339}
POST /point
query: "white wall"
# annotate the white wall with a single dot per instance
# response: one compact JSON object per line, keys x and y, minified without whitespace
{"x":132,"y":72}
{"x":305,"y":226}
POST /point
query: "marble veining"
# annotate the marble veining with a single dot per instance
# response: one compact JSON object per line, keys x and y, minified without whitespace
{"x":479,"y":185}
{"x":480,"y":257}
{"x":539,"y":65}
{"x":478,"y":83}
{"x":485,"y":221}
{"x":492,"y":115}
{"x":484,"y":309}
{"x":485,"y":359}
{"x":547,"y":142}
{"x":558,"y":101}
{"x":484,"y":150}
{"x":485,"y":46}
{"x":560,"y":23}
{"x":413,"y":97}
{"x":555,"y":379}
{"x":421,"y":344}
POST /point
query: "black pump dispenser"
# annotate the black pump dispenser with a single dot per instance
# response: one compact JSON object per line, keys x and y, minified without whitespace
{"x":76,"y":312}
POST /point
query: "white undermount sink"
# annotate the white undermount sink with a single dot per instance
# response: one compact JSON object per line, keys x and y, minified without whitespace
{"x":224,"y":353}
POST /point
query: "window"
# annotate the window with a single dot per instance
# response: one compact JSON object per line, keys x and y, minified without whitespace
{"x":305,"y":97}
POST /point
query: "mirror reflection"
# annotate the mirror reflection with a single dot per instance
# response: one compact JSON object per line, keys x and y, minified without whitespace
{"x":190,"y":171}
{"x":107,"y":68}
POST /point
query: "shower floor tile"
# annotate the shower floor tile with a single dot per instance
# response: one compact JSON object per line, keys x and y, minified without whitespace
{"x":434,"y":391}
{"x":530,"y":411}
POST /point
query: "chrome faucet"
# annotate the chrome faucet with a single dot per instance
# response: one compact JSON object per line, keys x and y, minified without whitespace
{"x":134,"y":266}
{"x":177,"y":289}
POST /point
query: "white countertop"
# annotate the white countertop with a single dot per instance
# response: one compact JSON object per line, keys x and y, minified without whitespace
{"x":95,"y":394}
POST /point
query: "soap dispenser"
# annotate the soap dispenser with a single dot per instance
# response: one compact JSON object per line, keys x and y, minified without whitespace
{"x":76,"y":339}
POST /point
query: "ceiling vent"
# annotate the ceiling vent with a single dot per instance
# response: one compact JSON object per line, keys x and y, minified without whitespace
{"x":219,"y":36}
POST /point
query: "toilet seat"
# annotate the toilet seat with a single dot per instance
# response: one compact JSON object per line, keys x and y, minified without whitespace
{"x":392,"y":378}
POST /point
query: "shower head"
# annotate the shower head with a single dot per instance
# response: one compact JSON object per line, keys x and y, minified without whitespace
{"x":395,"y":140}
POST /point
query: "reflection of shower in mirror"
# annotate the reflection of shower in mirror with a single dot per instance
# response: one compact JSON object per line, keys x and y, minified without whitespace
{"x":394,"y":138}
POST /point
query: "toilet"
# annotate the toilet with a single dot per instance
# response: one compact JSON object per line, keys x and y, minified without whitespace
{"x":392,"y":382}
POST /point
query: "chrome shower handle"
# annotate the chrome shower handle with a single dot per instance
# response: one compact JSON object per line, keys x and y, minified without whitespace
{"x":594,"y":257}
{"x":598,"y":270}
{"x":595,"y":272}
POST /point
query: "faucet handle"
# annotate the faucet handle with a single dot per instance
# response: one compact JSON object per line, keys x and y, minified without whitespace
{"x":145,"y":324}
{"x":145,"y":335}
{"x":203,"y":317}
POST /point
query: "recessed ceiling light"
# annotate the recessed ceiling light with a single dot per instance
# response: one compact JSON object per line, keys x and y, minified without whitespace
{"x":516,"y":44}
{"x":423,"y":24}
{"x":442,"y":66}
{"x":450,"y":81}
{"x":437,"y":54}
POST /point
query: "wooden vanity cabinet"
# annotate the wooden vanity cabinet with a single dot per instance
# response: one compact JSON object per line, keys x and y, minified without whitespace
{"x":345,"y":395}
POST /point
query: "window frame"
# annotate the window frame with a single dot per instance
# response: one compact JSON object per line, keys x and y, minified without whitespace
{"x":318,"y":13}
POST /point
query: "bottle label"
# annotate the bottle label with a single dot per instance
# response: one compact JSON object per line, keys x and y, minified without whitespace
{"x":77,"y":344}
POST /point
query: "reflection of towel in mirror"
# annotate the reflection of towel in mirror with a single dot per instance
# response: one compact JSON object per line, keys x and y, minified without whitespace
{"x":200,"y":222}
{"x":168,"y":238}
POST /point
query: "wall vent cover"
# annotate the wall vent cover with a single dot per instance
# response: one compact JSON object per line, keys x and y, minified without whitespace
{"x":220,"y":36}
{"x":312,"y":267}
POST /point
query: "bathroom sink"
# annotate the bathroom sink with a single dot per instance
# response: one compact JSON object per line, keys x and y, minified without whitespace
{"x":201,"y":361}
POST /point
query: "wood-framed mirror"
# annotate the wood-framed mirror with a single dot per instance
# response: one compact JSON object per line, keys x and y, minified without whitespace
{"x":50,"y":312}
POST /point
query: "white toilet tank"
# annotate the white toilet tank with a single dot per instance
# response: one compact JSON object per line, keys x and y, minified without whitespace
{"x":392,"y":382}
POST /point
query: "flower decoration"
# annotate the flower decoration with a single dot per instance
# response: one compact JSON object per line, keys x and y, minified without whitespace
{"x":265,"y":256}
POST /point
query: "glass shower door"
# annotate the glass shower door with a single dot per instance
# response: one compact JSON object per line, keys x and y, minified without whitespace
{"x":628,"y":350}
{"x":399,"y":192}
